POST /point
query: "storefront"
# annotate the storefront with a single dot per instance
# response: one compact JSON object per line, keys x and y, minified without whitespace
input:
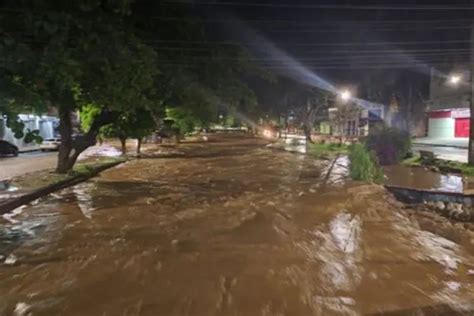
{"x":449,"y":123}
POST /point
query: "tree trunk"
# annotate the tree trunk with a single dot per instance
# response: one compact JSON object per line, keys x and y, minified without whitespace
{"x":307,"y":133}
{"x":70,"y":149}
{"x":123,"y":141}
{"x":64,"y":163}
{"x":139,"y":146}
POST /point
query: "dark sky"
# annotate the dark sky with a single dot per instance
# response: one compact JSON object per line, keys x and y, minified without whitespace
{"x":345,"y":42}
{"x":333,"y":38}
{"x":393,"y":43}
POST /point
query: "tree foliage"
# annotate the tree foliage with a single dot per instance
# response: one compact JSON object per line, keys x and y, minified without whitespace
{"x":66,"y":56}
{"x":136,"y":125}
{"x":103,"y":58}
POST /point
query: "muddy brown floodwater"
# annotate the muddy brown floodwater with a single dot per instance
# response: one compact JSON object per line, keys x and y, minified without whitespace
{"x":229,"y":228}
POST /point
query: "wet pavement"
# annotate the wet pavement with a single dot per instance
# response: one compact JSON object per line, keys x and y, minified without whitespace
{"x":443,"y":152}
{"x":30,"y":162}
{"x":227,"y":228}
{"x":25,"y":163}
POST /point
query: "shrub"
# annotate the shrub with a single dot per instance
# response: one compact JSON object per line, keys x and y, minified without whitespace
{"x":391,"y":145}
{"x":363,"y":164}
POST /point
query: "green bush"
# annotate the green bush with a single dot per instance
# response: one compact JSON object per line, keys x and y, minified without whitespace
{"x":363,"y":164}
{"x":391,"y":145}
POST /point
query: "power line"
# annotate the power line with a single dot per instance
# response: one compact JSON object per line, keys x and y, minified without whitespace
{"x":356,"y":55}
{"x":337,"y":22}
{"x":376,"y":51}
{"x":197,"y":42}
{"x":326,"y":6}
{"x":331,"y":67}
{"x":399,"y":29}
{"x":326,"y":58}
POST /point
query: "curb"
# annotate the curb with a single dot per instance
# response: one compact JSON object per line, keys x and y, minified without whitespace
{"x":417,"y":196}
{"x":29,"y":197}
{"x":439,"y":145}
{"x":28,"y":150}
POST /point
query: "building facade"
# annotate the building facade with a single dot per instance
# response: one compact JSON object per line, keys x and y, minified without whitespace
{"x":46,"y":125}
{"x":355,"y":122}
{"x":449,"y":113}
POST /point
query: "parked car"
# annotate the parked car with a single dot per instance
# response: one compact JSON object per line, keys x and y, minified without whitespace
{"x":50,"y":144}
{"x":8,"y":149}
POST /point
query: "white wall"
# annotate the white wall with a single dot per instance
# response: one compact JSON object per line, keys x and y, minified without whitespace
{"x":441,"y":127}
{"x":45,"y":125}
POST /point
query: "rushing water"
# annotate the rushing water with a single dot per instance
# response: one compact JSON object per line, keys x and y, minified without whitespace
{"x":230,"y":228}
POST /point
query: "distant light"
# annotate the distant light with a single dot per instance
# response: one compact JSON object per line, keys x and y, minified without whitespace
{"x":346,"y":95}
{"x":267,"y":133}
{"x":454,"y":79}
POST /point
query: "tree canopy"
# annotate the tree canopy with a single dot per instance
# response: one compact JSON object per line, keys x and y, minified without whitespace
{"x":103,"y":59}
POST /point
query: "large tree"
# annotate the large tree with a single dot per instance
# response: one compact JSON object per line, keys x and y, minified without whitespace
{"x":71,"y":55}
{"x":65,"y":55}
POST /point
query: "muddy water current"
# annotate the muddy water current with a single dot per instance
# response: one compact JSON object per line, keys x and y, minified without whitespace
{"x":227,"y":228}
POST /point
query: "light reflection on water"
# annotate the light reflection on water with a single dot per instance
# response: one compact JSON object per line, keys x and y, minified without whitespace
{"x":84,"y":200}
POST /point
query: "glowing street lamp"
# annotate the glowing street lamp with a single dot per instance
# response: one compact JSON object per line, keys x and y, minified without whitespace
{"x":345,"y":95}
{"x":454,"y":79}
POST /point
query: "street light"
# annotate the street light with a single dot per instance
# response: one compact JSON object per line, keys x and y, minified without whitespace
{"x":345,"y":95}
{"x":454,"y":79}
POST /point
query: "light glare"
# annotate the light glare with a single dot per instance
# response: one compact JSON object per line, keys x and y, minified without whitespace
{"x":345,"y":95}
{"x":454,"y":79}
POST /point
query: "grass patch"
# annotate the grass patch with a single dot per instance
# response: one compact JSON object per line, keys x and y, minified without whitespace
{"x":442,"y":165}
{"x":35,"y":180}
{"x":463,"y":168}
{"x":415,"y":160}
{"x":327,"y":150}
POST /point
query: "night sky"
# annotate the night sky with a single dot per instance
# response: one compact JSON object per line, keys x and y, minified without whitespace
{"x":332,"y":40}
{"x":386,"y":45}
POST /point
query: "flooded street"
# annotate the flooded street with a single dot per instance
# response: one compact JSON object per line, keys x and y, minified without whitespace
{"x":420,"y":178}
{"x":227,"y":228}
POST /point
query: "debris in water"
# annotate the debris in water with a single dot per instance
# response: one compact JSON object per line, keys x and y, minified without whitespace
{"x":9,"y":216}
{"x":22,"y":309}
{"x":11,"y":259}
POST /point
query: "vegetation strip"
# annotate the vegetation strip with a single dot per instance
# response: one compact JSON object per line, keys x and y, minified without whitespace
{"x":440,"y":165}
{"x":73,"y":180}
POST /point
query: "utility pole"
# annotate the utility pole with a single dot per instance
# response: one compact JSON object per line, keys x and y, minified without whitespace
{"x":471,"y":98}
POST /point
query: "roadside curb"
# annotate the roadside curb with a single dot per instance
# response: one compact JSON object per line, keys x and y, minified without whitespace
{"x":439,"y":145}
{"x":29,"y":197}
{"x":417,"y":196}
{"x":28,"y":150}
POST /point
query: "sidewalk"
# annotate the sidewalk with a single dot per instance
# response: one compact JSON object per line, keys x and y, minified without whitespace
{"x":442,"y":142}
{"x":29,"y":148}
